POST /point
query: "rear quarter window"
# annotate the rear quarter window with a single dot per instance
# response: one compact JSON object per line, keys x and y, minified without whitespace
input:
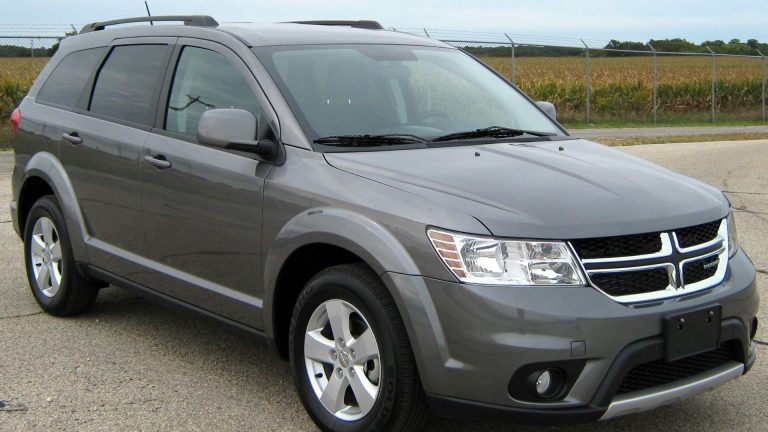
{"x":67,"y":81}
{"x":129,"y":82}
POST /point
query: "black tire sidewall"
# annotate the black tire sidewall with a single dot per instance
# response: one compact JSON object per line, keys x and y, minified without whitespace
{"x":48,"y":207}
{"x":340,"y":286}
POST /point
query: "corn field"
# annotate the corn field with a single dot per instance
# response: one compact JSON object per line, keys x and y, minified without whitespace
{"x":622,"y":87}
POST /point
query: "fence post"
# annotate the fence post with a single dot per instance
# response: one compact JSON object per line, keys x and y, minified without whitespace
{"x":589,"y":91}
{"x":714,"y":80}
{"x":655,"y":83}
{"x":31,"y":47}
{"x":762,"y":76}
{"x":514,"y":63}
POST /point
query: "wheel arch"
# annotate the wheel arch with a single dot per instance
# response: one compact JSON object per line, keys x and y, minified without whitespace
{"x":44,"y":175}
{"x":317,"y":239}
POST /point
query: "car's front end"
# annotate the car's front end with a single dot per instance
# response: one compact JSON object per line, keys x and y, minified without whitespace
{"x":637,"y":332}
{"x":594,"y":284}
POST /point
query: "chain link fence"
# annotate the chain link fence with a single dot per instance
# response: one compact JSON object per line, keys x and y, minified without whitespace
{"x":598,"y":85}
{"x":588,"y":83}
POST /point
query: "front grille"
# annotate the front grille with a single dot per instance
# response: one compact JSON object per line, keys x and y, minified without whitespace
{"x":648,"y":267}
{"x":660,"y":372}
{"x":632,"y":282}
{"x":698,"y":234}
{"x":695,"y":272}
{"x":619,"y":246}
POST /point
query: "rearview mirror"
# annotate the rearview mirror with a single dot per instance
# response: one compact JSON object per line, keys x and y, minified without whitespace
{"x":548,"y":108}
{"x":233,"y":129}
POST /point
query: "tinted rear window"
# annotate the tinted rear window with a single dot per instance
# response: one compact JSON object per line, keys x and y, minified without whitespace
{"x":129,"y":81}
{"x":65,"y":84}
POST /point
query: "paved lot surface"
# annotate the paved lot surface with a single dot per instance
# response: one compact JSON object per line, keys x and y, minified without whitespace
{"x":665,"y":131}
{"x":132,"y":365}
{"x":6,"y":162}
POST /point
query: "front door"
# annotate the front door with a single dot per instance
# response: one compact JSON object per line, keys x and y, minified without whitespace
{"x":202,"y":205}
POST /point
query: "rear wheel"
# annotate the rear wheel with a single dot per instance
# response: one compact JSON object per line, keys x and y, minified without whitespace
{"x":350,"y":357}
{"x":56,"y":284}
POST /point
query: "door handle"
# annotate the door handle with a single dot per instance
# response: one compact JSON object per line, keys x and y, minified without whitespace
{"x":158,"y":161}
{"x":72,"y":137}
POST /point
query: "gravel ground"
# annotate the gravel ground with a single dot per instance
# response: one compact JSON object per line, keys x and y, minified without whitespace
{"x":133,"y":365}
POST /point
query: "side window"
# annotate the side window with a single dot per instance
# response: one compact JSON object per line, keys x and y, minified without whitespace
{"x":67,"y":81}
{"x":205,"y":80}
{"x":129,"y":81}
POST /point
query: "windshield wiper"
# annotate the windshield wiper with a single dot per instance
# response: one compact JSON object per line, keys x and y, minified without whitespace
{"x":490,"y":132}
{"x":369,"y":140}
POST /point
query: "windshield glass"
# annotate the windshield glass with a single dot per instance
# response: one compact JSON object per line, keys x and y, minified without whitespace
{"x":382,"y":90}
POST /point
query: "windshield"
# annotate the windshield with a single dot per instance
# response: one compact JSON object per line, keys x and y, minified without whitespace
{"x":396,"y":90}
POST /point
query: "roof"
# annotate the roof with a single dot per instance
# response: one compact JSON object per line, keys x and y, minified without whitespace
{"x":255,"y":35}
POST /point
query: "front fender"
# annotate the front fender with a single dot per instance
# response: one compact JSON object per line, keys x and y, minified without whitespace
{"x":47,"y":167}
{"x":352,"y":231}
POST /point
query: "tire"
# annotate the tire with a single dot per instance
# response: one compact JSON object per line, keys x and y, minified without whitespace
{"x":390,"y":397}
{"x":56,"y":283}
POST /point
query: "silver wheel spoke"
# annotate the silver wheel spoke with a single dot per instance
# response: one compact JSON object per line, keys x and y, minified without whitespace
{"x":56,"y":251}
{"x":338,"y":315}
{"x":365,"y":347}
{"x":317,"y":347}
{"x":364,"y":391}
{"x":333,"y":395}
{"x":43,"y":277}
{"x":37,"y":246}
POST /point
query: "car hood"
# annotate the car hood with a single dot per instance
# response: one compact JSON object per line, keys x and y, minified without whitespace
{"x":555,"y":189}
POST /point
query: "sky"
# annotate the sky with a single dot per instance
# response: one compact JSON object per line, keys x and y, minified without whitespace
{"x":525,"y":20}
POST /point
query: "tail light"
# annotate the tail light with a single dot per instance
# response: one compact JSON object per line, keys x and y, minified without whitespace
{"x":15,"y":120}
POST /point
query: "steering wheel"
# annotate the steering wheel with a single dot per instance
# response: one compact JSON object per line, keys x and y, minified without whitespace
{"x":431,"y":113}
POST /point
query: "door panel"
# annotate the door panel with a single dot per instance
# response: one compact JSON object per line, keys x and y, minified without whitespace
{"x":202,"y":205}
{"x":202,"y":221}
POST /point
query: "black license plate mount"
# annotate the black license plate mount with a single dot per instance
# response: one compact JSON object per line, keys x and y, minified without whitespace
{"x":691,"y":333}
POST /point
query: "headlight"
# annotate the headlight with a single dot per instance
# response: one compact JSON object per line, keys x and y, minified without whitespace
{"x":733,"y":238}
{"x":483,"y":260}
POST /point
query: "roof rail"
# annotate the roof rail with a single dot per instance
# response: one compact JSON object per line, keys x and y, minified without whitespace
{"x":363,"y":24}
{"x":189,"y":20}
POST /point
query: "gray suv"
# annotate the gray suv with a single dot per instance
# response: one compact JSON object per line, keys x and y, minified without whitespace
{"x":403,"y":225}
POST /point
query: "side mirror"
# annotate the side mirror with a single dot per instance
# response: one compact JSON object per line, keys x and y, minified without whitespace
{"x":233,"y":129}
{"x":548,"y":108}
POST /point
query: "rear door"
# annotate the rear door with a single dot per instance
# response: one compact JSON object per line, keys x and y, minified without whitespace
{"x":101,"y":148}
{"x":202,"y":205}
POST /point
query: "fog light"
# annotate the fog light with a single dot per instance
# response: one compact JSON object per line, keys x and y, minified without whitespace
{"x":547,"y":383}
{"x":543,"y":382}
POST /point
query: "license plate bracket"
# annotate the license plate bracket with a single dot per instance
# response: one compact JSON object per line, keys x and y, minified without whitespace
{"x":692,"y":333}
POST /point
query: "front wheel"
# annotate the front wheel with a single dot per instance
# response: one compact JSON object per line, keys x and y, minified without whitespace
{"x":350,"y":356}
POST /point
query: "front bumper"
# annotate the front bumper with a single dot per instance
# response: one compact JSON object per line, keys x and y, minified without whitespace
{"x":469,"y":341}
